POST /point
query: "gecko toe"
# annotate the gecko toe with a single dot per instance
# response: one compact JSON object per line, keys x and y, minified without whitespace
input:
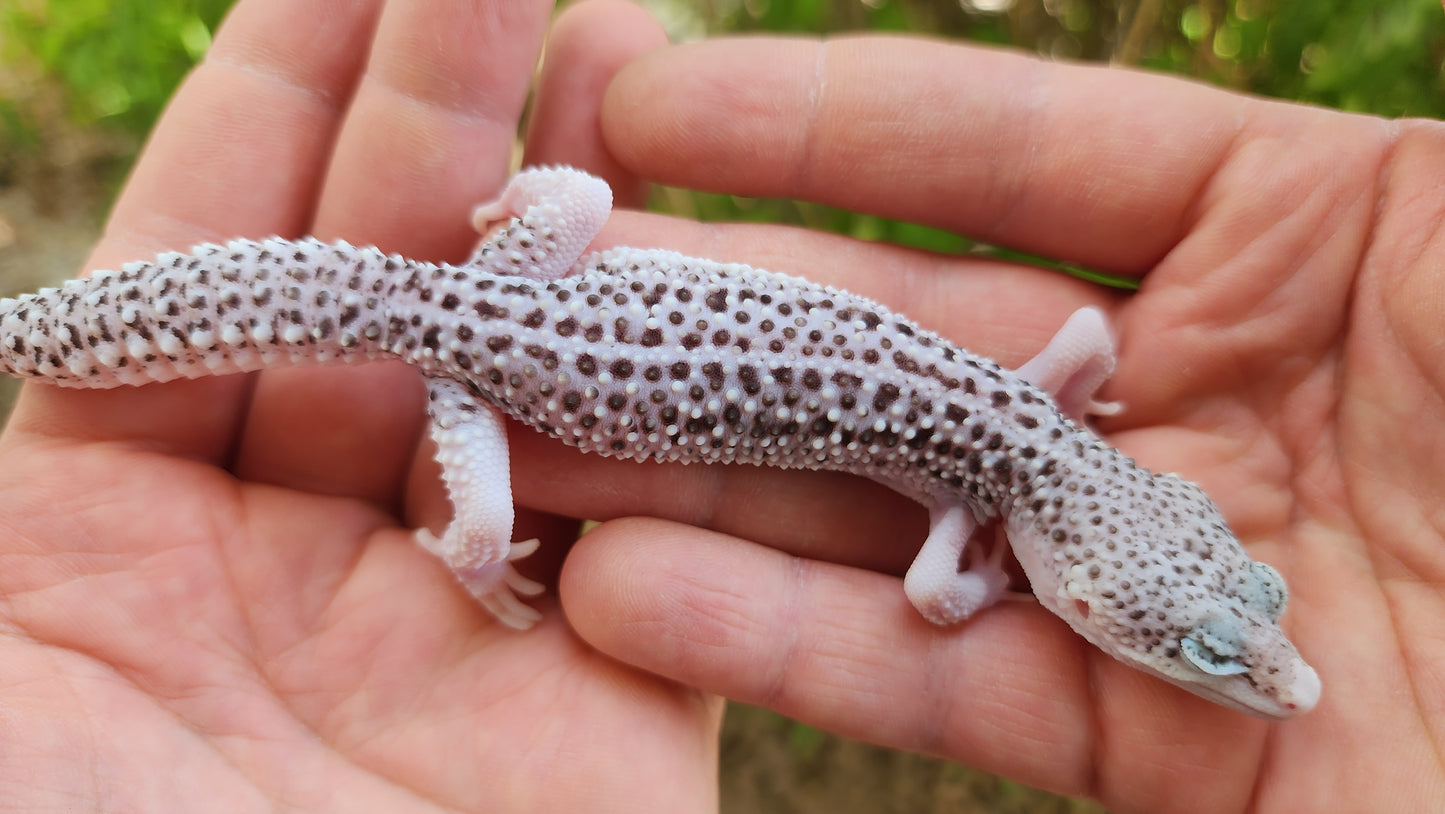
{"x":524,"y":586}
{"x":523,"y":548}
{"x":509,"y":610}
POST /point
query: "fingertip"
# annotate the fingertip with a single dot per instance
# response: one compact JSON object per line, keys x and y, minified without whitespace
{"x":589,"y":43}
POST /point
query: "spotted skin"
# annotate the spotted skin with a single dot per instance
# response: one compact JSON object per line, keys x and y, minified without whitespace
{"x":647,"y":354}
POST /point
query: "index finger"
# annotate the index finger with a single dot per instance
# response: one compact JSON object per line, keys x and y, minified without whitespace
{"x":1098,"y":166}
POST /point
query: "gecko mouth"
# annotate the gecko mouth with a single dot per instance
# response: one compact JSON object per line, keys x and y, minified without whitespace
{"x":1242,"y":695}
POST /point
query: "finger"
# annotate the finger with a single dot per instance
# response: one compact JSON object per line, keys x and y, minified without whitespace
{"x":344,"y":431}
{"x":427,"y":136}
{"x":1012,"y":690}
{"x":999,"y":146}
{"x":589,"y":43}
{"x":824,"y":515}
{"x":258,"y":116}
{"x":430,"y":131}
{"x":238,"y":151}
{"x":835,"y":647}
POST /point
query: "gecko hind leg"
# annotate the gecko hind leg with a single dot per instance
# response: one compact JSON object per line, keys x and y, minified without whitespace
{"x":471,"y":441}
{"x":941,"y":583}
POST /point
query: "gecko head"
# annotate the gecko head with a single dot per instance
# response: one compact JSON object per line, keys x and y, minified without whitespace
{"x":1242,"y":659}
{"x":1225,"y":644}
{"x":1170,"y":591}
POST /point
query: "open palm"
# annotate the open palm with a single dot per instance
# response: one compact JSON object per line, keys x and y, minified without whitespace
{"x":1283,"y":351}
{"x":211,"y":599}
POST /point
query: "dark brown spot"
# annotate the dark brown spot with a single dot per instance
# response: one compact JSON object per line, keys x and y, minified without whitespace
{"x":886,"y":395}
{"x":486,"y":310}
{"x":714,"y":373}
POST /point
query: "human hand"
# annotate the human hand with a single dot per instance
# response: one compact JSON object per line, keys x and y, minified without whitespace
{"x":1281,"y":352}
{"x":209,"y":596}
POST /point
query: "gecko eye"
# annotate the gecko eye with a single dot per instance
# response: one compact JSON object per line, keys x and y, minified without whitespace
{"x":1207,"y":660}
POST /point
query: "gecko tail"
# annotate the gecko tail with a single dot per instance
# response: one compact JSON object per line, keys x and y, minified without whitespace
{"x":219,"y":309}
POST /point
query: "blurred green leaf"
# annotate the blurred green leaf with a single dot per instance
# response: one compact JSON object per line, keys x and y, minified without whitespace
{"x":804,"y":741}
{"x":119,"y":59}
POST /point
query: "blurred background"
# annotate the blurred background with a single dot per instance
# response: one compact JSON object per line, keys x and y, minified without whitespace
{"x":82,"y":82}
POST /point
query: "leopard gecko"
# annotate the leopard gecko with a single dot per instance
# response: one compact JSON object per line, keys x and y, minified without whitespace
{"x":648,"y":354}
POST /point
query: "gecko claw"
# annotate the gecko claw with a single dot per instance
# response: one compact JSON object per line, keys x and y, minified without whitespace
{"x":523,"y":548}
{"x":523,"y":585}
{"x":508,"y":609}
{"x":494,"y":584}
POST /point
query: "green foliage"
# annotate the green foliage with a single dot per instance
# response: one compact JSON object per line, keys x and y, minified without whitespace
{"x":15,"y":129}
{"x":1374,"y":57}
{"x":804,"y":741}
{"x":1358,"y":55}
{"x":119,"y":60}
{"x":827,"y":16}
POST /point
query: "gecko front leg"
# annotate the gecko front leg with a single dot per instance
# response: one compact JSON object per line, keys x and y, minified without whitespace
{"x":939,"y":583}
{"x":552,"y":214}
{"x":951,"y":579}
{"x":477,"y":546}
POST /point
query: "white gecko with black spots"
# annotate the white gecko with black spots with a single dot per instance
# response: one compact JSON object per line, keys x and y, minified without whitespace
{"x":648,"y":354}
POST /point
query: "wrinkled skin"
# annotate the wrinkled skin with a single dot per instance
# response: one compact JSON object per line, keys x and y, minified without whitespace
{"x":210,"y":600}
